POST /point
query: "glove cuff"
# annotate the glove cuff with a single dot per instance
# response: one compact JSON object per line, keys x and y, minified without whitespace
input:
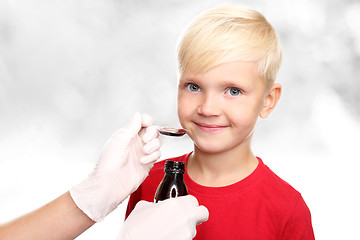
{"x":94,"y":197}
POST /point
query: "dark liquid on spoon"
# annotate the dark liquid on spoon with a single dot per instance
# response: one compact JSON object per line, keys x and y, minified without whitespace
{"x":174,"y":132}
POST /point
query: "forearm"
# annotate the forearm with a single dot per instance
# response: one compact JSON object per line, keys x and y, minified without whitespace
{"x":59,"y":219}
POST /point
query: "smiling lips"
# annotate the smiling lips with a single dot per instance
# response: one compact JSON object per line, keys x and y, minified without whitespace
{"x":209,"y":127}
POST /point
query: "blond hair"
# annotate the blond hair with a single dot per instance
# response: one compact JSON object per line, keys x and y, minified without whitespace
{"x":230,"y":33}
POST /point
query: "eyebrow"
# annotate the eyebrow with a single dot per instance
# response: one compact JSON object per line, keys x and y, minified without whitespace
{"x":236,"y":83}
{"x":186,"y":78}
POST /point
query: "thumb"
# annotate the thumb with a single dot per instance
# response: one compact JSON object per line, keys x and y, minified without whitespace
{"x":202,"y":214}
{"x":142,"y":204}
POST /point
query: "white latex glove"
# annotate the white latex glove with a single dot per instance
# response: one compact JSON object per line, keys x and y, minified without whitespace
{"x":124,"y":163}
{"x":174,"y":218}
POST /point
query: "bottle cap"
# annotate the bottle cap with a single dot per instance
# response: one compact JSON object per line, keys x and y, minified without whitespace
{"x":174,"y":167}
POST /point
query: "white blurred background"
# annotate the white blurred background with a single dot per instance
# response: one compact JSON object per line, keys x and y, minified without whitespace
{"x":72,"y":72}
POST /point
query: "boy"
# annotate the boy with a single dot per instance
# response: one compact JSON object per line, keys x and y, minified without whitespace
{"x":228,"y":59}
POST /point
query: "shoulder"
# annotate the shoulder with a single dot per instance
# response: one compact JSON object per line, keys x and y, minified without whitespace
{"x":278,"y":191}
{"x":276,"y":183}
{"x":288,"y":200}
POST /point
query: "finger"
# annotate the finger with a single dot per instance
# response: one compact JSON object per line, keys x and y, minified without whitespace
{"x":142,"y":204}
{"x":152,"y":146}
{"x":134,"y":125}
{"x":151,"y":132}
{"x":151,"y":158}
{"x":146,"y":120}
{"x":202,"y":214}
{"x":189,"y":199}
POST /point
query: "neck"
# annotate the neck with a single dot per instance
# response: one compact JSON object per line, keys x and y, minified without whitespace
{"x":223,"y":168}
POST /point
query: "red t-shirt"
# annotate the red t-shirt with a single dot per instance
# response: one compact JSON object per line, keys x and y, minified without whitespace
{"x":261,"y":206}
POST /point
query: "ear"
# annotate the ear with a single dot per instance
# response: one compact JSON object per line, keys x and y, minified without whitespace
{"x":271,"y":99}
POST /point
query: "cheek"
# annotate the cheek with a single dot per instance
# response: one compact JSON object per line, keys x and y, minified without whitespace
{"x":180,"y":113}
{"x":185,"y":102}
{"x":182,"y":110}
{"x":242,"y":116}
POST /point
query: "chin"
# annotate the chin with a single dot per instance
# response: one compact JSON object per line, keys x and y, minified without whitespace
{"x":210,"y":148}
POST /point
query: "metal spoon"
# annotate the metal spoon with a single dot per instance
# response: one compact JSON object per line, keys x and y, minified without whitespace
{"x":171,"y":131}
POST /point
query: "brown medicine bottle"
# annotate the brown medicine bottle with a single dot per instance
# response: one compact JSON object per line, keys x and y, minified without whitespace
{"x":172,"y":185}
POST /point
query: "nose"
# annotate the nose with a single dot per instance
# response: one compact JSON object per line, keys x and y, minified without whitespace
{"x":209,"y":106}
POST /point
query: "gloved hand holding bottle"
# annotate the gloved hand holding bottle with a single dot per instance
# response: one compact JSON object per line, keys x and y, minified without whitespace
{"x":174,"y":218}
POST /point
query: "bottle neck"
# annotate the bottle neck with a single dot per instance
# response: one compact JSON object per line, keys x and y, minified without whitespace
{"x":173,"y":174}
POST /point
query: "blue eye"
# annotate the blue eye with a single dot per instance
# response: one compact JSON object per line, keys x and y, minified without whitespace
{"x":234,"y":91}
{"x":193,"y":87}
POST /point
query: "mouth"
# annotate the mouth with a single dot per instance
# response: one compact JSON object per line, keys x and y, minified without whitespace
{"x":206,"y":127}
